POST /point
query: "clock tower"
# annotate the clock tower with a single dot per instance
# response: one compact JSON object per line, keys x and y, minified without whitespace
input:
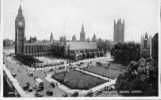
{"x":19,"y":32}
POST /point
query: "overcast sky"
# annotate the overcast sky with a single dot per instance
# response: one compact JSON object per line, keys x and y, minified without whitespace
{"x":65,"y":17}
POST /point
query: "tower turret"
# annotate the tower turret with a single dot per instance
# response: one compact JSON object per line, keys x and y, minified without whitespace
{"x":82,"y":34}
{"x":119,"y":27}
{"x":51,"y":38}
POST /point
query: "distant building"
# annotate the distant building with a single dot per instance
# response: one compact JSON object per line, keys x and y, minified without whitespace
{"x":88,"y":40}
{"x":155,"y":46}
{"x":51,"y":38}
{"x":146,"y":45}
{"x":62,"y":39}
{"x":82,"y":34}
{"x":119,"y":28}
{"x":32,"y":40}
{"x":94,"y":38}
{"x":74,"y":38}
{"x":145,"y":41}
{"x":81,"y":45}
{"x":8,"y":43}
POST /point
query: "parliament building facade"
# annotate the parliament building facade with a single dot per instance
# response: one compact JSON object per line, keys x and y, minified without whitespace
{"x":75,"y":50}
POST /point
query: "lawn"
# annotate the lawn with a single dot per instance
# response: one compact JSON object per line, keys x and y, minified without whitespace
{"x":113,"y":72}
{"x":78,"y":80}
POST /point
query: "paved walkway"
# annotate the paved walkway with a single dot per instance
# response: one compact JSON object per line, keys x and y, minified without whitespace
{"x":74,"y":63}
{"x":93,"y":74}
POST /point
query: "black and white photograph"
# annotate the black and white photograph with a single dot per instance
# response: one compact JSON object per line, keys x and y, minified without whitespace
{"x":80,"y":48}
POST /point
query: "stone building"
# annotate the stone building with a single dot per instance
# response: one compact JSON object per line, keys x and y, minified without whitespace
{"x":66,"y":49}
{"x":19,"y":32}
{"x":74,"y":38}
{"x":32,"y":40}
{"x":37,"y":49}
{"x":8,"y":43}
{"x":119,"y":27}
{"x":146,"y":45}
{"x":94,"y":39}
{"x":155,"y":46}
{"x":145,"y":41}
{"x":81,"y":50}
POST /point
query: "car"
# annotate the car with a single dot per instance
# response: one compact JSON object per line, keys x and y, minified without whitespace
{"x":49,"y":93}
{"x":30,"y":89}
{"x":38,"y":94}
{"x":53,"y":85}
{"x":14,"y":74}
{"x":40,"y":84}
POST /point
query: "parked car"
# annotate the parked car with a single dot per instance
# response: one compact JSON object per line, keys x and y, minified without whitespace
{"x":40,"y":84}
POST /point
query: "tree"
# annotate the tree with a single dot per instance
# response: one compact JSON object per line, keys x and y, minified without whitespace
{"x":140,"y":75}
{"x":132,"y":66}
{"x":125,"y":52}
{"x":121,"y":83}
{"x":104,"y":45}
{"x":145,"y":53}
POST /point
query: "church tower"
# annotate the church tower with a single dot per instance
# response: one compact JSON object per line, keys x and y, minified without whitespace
{"x":19,"y":32}
{"x":82,"y":34}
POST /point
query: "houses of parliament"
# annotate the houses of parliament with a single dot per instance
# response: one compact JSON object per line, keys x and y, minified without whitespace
{"x":75,"y":50}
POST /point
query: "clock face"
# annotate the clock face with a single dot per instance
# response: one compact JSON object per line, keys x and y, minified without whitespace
{"x":20,"y":24}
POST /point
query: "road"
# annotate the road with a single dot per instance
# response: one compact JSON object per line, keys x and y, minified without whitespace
{"x":23,"y":71}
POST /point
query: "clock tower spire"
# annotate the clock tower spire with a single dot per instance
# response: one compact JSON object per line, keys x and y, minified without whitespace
{"x":19,"y":32}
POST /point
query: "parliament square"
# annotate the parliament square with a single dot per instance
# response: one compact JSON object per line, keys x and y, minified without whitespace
{"x":84,"y":67}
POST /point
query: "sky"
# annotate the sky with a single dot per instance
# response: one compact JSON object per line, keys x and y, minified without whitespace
{"x":65,"y":17}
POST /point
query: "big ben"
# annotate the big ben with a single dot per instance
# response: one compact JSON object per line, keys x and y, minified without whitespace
{"x":19,"y":32}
